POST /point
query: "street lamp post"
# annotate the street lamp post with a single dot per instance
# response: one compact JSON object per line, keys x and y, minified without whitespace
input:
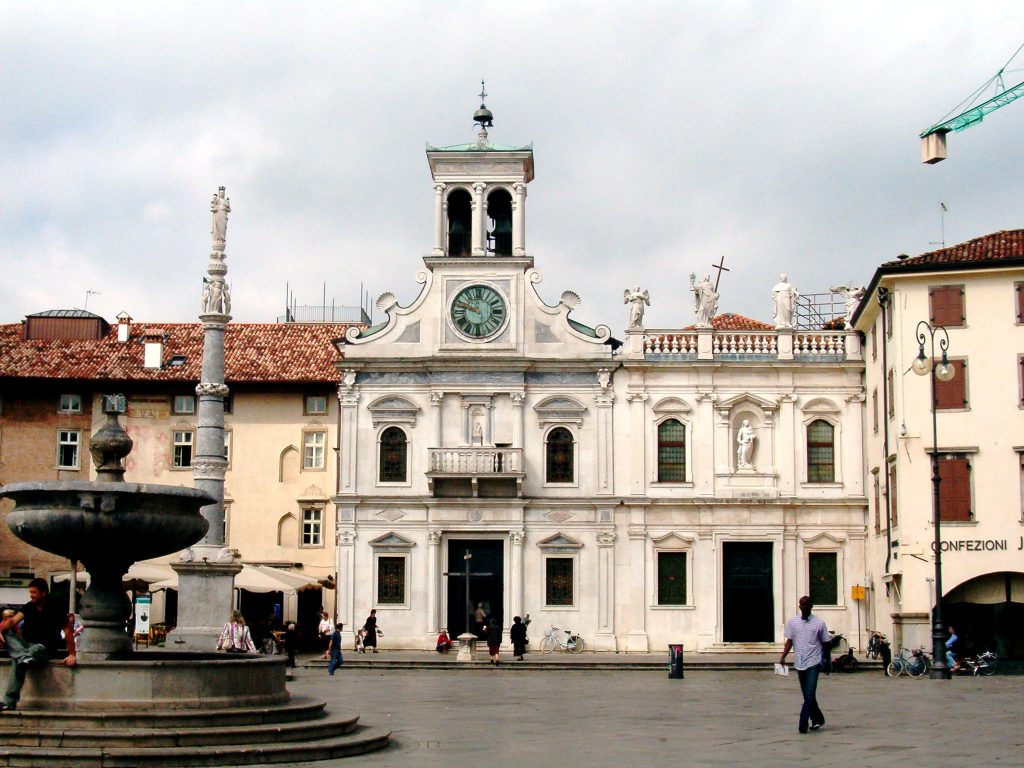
{"x":944,"y":371}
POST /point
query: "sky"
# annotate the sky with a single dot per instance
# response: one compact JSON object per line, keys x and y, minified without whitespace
{"x":782,"y":136}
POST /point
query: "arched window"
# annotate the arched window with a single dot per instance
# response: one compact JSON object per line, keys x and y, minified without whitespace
{"x":560,"y":456}
{"x":499,"y":211}
{"x":821,"y":467}
{"x":393,"y":456}
{"x":671,"y":451}
{"x":460,"y":223}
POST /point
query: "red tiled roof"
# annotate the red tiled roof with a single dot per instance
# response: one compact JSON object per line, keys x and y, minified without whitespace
{"x":728,"y":321}
{"x":271,"y":352}
{"x":999,"y":246}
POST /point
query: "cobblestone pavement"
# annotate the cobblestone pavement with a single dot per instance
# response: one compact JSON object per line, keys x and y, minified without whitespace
{"x":588,"y":719}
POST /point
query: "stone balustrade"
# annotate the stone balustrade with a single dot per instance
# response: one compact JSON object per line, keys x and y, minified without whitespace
{"x":476,"y":461}
{"x":707,"y":344}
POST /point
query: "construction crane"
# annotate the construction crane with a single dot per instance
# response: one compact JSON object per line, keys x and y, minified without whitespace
{"x":933,"y":140}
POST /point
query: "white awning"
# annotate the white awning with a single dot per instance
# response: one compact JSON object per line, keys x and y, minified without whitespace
{"x":258,"y":578}
{"x":142,"y":574}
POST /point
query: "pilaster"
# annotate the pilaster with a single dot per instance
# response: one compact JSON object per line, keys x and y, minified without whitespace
{"x":344,"y":610}
{"x":637,"y":458}
{"x":348,"y":401}
{"x":515,"y":592}
{"x":439,"y":228}
{"x":479,"y":211}
{"x":433,"y":582}
{"x":519,"y":220}
{"x":605,"y":638}
{"x":604,"y":400}
{"x":636,"y":639}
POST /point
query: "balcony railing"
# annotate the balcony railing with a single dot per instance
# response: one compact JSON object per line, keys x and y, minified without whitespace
{"x":476,"y":461}
{"x":806,"y":346}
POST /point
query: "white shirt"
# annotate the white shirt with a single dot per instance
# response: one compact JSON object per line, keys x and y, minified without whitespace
{"x":807,"y":635}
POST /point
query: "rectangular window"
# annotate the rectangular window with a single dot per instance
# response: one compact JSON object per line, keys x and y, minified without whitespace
{"x":228,"y":404}
{"x":70,"y":404}
{"x":313,"y":453}
{"x":955,"y":488}
{"x":874,"y":409}
{"x":184,"y":404}
{"x":946,"y":304}
{"x":671,"y":578}
{"x":1020,"y":377}
{"x":312,"y":527}
{"x":822,"y":573}
{"x":952,"y":395}
{"x":890,"y":389}
{"x":227,"y":447}
{"x":183,"y":441}
{"x":558,"y":581}
{"x":391,"y":580}
{"x":315,"y":405}
{"x":68,"y":443}
{"x":878,"y":500}
{"x":893,"y":507}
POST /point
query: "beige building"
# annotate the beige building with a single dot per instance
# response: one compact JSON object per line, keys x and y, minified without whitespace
{"x":280,"y":430}
{"x":974,"y":291}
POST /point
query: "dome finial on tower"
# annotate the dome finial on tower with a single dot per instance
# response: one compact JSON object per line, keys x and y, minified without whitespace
{"x":483,"y":117}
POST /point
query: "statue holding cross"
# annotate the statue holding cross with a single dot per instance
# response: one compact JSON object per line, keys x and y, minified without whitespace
{"x":705,"y":300}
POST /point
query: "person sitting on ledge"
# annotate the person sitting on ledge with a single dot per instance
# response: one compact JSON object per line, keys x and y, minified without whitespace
{"x":42,"y":621}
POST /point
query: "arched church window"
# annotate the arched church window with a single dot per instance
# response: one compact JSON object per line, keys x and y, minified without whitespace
{"x":821,"y":466}
{"x":393,"y":456}
{"x":671,"y":451}
{"x":460,"y":223}
{"x":560,"y":456}
{"x":499,"y":211}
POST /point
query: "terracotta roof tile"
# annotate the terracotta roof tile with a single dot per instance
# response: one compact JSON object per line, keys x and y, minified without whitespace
{"x":256,"y":352}
{"x":728,"y":321}
{"x":999,"y":246}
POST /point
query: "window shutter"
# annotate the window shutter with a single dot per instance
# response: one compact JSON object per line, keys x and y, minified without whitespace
{"x":952,"y":394}
{"x":933,"y":299}
{"x":955,"y":489}
{"x":1020,"y":302}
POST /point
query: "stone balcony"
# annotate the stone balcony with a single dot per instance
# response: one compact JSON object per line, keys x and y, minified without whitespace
{"x":473,"y":471}
{"x":772,"y":345}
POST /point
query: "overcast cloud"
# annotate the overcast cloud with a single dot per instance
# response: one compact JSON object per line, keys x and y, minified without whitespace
{"x":780,"y":135}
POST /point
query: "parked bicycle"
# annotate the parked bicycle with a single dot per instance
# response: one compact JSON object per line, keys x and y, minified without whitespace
{"x":909,"y":662}
{"x":843,"y":660}
{"x":983,"y":664}
{"x":876,"y":642}
{"x":561,"y":638}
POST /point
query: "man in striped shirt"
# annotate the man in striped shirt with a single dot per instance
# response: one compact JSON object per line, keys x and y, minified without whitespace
{"x":805,"y":634}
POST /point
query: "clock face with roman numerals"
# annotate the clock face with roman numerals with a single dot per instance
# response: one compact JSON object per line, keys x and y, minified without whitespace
{"x":479,"y":312}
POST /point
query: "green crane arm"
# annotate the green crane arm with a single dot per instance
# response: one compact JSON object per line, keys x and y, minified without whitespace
{"x":976,"y":114}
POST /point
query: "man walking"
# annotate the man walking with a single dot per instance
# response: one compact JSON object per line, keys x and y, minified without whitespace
{"x":41,"y":622}
{"x":805,"y":634}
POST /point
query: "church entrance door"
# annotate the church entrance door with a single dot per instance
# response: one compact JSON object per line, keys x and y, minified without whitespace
{"x":488,"y":557}
{"x":747,"y":592}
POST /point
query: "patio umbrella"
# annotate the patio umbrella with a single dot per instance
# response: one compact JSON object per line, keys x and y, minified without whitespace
{"x":258,"y":578}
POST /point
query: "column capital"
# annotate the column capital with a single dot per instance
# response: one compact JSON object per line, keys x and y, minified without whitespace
{"x":434,"y":538}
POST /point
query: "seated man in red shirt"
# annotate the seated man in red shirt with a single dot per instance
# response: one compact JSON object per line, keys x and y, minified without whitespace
{"x":42,"y":621}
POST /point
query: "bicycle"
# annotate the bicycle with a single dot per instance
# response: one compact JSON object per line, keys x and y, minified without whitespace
{"x":876,"y":641}
{"x":984,"y":664}
{"x":914,"y":663}
{"x":843,"y":661}
{"x":553,"y":638}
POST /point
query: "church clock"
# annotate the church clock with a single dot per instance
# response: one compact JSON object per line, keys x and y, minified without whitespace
{"x":479,"y":312}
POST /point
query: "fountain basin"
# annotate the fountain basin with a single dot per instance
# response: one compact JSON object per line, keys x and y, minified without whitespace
{"x":155,"y":680}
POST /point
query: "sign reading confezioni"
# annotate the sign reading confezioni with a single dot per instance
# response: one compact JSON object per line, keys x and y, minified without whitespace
{"x":976,"y":545}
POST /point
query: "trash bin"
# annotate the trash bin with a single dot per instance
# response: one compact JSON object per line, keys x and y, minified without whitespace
{"x":675,"y":661}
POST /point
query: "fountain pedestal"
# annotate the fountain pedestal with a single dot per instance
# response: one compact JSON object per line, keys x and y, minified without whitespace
{"x":205,"y":587}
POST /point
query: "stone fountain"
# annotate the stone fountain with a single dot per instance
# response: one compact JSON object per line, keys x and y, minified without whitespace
{"x":120,"y":707}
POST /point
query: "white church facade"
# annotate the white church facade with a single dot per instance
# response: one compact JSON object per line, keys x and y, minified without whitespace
{"x":673,"y":486}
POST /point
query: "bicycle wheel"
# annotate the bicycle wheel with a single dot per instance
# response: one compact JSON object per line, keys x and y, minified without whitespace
{"x":575,"y":644}
{"x":840,"y":646}
{"x":895,"y":668}
{"x":851,"y":665}
{"x":989,"y":668}
{"x":918,"y":666}
{"x":548,"y":644}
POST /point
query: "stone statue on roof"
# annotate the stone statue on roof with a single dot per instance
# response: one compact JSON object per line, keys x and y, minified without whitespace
{"x":852,"y":295}
{"x":784,"y":298}
{"x":220,"y":207}
{"x":705,"y":300}
{"x":638,"y":299}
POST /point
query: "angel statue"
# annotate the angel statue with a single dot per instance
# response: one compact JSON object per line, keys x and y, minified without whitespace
{"x":852,"y":294}
{"x":637,"y":298}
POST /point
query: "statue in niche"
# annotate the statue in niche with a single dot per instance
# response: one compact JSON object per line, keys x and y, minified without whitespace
{"x":784,"y":297}
{"x":637,"y":299}
{"x":478,"y":433}
{"x":852,"y":295}
{"x":745,"y":446}
{"x":705,"y":300}
{"x":220,"y":207}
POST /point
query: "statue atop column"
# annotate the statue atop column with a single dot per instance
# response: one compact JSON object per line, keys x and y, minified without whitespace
{"x":637,"y":298}
{"x":784,"y":297}
{"x":705,"y":300}
{"x":220,"y":207}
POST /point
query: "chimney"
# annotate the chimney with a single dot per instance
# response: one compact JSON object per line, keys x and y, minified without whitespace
{"x":124,"y":323}
{"x":153,"y":341}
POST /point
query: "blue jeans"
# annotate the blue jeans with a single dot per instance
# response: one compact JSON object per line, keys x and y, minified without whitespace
{"x":18,"y":649}
{"x":335,"y":662}
{"x":950,"y":660}
{"x":809,"y":687}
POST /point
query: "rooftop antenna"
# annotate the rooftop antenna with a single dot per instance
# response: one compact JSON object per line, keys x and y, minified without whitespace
{"x":87,"y":295}
{"x":942,"y":224}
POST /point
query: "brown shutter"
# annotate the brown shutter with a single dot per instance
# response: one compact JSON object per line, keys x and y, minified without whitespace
{"x":955,"y":489}
{"x":952,"y":394}
{"x":1020,"y":302}
{"x":947,"y":305}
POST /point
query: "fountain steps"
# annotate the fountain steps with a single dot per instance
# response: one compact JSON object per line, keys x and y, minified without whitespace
{"x":48,"y":739}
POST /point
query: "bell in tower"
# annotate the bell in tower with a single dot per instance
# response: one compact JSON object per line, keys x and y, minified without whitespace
{"x":499,"y":210}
